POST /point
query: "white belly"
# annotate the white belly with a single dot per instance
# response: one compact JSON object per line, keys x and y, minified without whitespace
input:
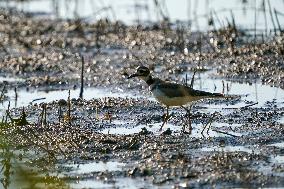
{"x":174,"y":101}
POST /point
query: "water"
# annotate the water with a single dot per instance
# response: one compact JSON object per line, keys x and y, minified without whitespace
{"x":27,"y":97}
{"x":96,"y":184}
{"x":193,"y":13}
{"x":95,"y":167}
{"x":10,"y":79}
{"x":123,"y":183}
{"x":125,"y":128}
{"x":281,"y":120}
{"x":132,"y":129}
{"x":250,"y":93}
{"x":88,"y":168}
{"x":278,"y":159}
{"x":278,"y":145}
{"x":231,"y":149}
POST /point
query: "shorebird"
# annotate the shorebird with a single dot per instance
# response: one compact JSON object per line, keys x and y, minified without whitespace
{"x":171,"y":94}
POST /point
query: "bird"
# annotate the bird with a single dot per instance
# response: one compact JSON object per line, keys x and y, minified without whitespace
{"x":171,"y":94}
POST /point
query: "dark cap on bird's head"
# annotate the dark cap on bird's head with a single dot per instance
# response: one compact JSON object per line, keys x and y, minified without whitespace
{"x":141,"y":71}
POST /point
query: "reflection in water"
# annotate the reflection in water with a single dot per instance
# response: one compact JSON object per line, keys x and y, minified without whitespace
{"x":6,"y":165}
{"x":14,"y":174}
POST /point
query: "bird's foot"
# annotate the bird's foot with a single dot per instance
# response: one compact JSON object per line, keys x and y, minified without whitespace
{"x":189,"y":129}
{"x":166,"y":119}
{"x":186,"y":132}
{"x":187,"y":123}
{"x":161,"y":128}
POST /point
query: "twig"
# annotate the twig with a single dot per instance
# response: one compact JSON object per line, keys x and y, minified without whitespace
{"x":208,"y":125}
{"x":192,"y":79}
{"x":271,"y":15}
{"x":265,"y":17}
{"x":223,"y":132}
{"x":8,"y":114}
{"x":3,"y":92}
{"x":69,"y":108}
{"x":16,"y":96}
{"x":223,"y":84}
{"x":249,"y":105}
{"x":82,"y":77}
{"x":45,"y":120}
{"x":189,"y":119}
{"x":277,"y":21}
{"x":42,"y":121}
{"x":59,"y":114}
{"x":218,"y":20}
{"x":37,"y":99}
{"x":254,"y":26}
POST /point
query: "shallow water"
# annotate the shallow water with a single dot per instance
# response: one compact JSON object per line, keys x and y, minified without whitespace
{"x":278,"y":144}
{"x":124,"y":183}
{"x":95,"y":167}
{"x":27,"y":97}
{"x":247,"y":149}
{"x":281,"y":120}
{"x":278,"y":159}
{"x":263,"y":95}
{"x":128,"y":128}
{"x":250,"y":93}
{"x":88,"y":168}
{"x":10,"y":79}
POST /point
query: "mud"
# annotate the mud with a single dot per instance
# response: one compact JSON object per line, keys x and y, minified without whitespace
{"x":116,"y":141}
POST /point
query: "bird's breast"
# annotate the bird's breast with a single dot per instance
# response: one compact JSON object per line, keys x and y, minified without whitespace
{"x":171,"y":101}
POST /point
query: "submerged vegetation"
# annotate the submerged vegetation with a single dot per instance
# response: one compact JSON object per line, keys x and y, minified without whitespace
{"x":236,"y":142}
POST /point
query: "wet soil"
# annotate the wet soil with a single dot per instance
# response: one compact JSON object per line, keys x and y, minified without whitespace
{"x":242,"y":147}
{"x":240,"y":152}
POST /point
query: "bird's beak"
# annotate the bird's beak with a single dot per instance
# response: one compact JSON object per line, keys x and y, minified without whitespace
{"x":133,"y":75}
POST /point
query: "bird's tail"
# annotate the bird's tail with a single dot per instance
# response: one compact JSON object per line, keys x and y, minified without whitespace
{"x":205,"y":94}
{"x":224,"y":96}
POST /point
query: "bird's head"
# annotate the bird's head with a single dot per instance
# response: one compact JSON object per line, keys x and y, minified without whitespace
{"x":142,"y":72}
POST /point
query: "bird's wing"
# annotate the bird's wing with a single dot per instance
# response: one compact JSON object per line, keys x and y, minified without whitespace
{"x":170,"y":89}
{"x":176,"y":90}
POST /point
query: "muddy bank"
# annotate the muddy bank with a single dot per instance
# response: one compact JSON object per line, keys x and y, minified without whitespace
{"x":238,"y":150}
{"x":241,"y":147}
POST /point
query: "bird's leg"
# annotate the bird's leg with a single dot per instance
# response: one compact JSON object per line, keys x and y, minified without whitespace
{"x":189,"y":118}
{"x":208,"y":125}
{"x":166,"y":117}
